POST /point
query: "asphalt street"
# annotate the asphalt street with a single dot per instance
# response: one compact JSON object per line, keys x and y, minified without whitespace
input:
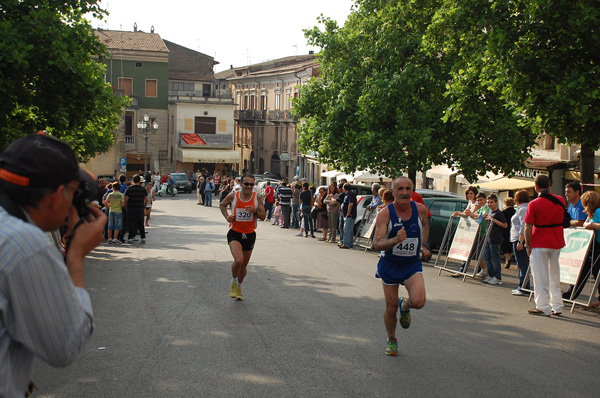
{"x":311,"y":325}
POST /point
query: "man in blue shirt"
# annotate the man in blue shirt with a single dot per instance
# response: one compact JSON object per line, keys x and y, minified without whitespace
{"x":349,"y":212}
{"x":376,"y":201}
{"x":575,"y":210}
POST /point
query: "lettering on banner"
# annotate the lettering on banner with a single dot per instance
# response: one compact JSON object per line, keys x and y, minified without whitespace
{"x":572,"y":256}
{"x":464,"y":238}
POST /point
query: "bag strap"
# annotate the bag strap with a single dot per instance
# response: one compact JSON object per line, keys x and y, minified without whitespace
{"x":552,"y":199}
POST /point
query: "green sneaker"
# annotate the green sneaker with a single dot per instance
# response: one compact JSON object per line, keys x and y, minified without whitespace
{"x":233,"y":290}
{"x":392,"y":348}
{"x":404,"y":315}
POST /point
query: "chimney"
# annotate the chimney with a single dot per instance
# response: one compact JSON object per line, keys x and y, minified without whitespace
{"x":135,"y":27}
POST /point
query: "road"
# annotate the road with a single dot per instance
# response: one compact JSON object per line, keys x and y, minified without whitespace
{"x":311,"y":325}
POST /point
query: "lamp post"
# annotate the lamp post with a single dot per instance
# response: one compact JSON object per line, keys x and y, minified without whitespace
{"x":144,"y":127}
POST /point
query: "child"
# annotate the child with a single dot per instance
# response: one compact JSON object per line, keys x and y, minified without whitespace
{"x":114,"y":202}
{"x":491,"y":251}
{"x":277,"y":214}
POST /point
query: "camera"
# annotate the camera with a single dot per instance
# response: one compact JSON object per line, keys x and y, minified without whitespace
{"x":86,"y":193}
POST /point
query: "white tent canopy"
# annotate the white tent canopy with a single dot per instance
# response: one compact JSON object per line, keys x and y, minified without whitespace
{"x":370,"y":177}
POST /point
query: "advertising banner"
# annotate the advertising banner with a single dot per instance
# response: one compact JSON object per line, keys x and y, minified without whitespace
{"x":572,"y":256}
{"x":211,"y":140}
{"x":464,"y":238}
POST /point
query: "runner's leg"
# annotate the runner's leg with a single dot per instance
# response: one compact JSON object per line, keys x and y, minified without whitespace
{"x":415,"y":285}
{"x":390,"y":293}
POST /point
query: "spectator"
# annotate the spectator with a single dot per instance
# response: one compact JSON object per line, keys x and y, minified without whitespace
{"x":151,"y":198}
{"x":208,"y":192}
{"x":277,"y":214}
{"x":307,"y":202}
{"x":45,"y":311}
{"x":591,"y":203}
{"x":333,"y":211}
{"x":491,"y":250}
{"x":285,"y":200}
{"x":321,"y":220}
{"x":506,"y":247}
{"x":136,"y":199}
{"x":575,"y":209}
{"x":269,"y":195}
{"x":115,"y":202}
{"x":296,"y":189}
{"x":517,"y":238}
{"x":376,"y":201}
{"x":544,"y":237}
{"x":349,"y":212}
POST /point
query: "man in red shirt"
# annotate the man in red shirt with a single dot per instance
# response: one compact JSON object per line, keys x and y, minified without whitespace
{"x":544,"y":237}
{"x":269,"y":200}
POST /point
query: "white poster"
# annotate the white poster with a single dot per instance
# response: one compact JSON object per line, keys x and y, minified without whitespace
{"x":572,"y":256}
{"x":464,"y":238}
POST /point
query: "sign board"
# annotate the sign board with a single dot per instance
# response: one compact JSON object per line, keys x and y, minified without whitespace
{"x":464,"y":238}
{"x":123,"y":162}
{"x":369,"y":224}
{"x":203,"y":140}
{"x":573,"y":255}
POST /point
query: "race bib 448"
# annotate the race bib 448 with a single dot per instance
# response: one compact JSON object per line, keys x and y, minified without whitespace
{"x":408,"y":247}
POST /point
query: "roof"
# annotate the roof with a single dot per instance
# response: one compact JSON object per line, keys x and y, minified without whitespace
{"x":280,"y":65}
{"x":538,"y":163}
{"x":187,"y":64}
{"x":139,"y":41}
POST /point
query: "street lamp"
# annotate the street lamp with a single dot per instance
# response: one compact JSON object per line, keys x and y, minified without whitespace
{"x":144,"y":127}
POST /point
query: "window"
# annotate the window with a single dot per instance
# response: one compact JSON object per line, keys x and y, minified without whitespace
{"x":277,"y":101}
{"x":126,"y":84}
{"x":139,"y":64}
{"x":252,"y":102}
{"x":128,"y":128}
{"x":151,"y":88}
{"x":206,"y":90}
{"x":180,"y":86}
{"x":205,"y":125}
{"x":263,"y":102}
{"x":444,"y":209}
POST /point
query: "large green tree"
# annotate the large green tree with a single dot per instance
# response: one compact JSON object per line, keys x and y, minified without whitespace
{"x":51,"y":77}
{"x":382,"y":100}
{"x":541,"y":58}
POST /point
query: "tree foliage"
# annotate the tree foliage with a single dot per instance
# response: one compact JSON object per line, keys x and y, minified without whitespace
{"x":469,"y":83}
{"x":50,"y":77}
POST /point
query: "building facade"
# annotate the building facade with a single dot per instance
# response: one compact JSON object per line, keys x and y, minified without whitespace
{"x":264,"y":126}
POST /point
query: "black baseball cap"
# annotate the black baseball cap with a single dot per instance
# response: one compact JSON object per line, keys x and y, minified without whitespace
{"x":39,"y":161}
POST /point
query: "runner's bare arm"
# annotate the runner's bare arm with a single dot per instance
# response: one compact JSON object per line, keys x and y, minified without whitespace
{"x":381,"y":225}
{"x":261,"y":213}
{"x":225,"y":204}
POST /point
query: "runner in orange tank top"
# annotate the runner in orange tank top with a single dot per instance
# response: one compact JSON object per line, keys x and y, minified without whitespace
{"x":246,"y":206}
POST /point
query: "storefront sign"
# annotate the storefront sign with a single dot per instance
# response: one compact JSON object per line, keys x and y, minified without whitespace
{"x":211,"y":140}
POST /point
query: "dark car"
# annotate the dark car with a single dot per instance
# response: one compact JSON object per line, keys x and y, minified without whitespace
{"x":182,"y":182}
{"x":441,"y":209}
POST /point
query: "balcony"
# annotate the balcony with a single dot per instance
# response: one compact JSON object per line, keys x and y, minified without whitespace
{"x":282,"y":116}
{"x":251,"y":115}
{"x":198,"y":97}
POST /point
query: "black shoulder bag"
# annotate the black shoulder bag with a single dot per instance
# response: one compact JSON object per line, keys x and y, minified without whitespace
{"x":566,"y":216}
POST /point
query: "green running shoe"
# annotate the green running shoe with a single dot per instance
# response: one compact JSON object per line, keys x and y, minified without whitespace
{"x":404,"y":315}
{"x":392,"y":348}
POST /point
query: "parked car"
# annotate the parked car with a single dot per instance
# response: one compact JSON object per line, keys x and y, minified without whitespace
{"x":441,"y":209}
{"x":182,"y":182}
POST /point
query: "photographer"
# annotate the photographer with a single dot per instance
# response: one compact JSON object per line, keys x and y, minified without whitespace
{"x":44,"y":309}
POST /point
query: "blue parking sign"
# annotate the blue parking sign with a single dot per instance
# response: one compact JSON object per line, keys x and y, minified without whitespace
{"x":123,"y":162}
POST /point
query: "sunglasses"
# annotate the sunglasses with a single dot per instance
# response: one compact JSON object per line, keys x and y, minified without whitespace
{"x":248,"y":184}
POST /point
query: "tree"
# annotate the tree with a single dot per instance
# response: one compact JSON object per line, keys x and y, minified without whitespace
{"x":382,"y":101}
{"x":541,"y":58}
{"x":51,"y":76}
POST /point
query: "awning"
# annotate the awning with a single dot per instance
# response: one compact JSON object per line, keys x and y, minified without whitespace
{"x":202,"y":155}
{"x":331,"y":173}
{"x":368,"y":177}
{"x":507,"y":184}
{"x":442,"y":172}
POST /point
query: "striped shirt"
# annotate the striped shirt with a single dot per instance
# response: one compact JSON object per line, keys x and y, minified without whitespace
{"x":41,"y":312}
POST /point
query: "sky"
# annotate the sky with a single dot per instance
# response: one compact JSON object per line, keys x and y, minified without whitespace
{"x":234,"y":32}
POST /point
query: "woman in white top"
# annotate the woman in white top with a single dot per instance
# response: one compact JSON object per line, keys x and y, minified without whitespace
{"x":472,"y":206}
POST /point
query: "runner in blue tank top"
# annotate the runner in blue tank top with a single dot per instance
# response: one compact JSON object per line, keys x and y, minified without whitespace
{"x":400,"y":229}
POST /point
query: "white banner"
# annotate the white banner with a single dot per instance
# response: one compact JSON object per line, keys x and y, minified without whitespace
{"x":464,"y":238}
{"x":572,"y":256}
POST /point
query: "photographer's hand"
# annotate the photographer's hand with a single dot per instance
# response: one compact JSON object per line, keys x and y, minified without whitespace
{"x":83,"y":240}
